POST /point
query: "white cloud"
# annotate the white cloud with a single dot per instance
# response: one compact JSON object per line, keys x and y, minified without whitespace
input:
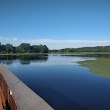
{"x":58,"y":44}
{"x":11,"y":40}
{"x":15,"y":39}
{"x":1,"y":38}
{"x":55,"y":44}
{"x":64,"y":41}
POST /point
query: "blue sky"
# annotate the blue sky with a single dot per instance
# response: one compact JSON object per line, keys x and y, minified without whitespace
{"x":55,"y":23}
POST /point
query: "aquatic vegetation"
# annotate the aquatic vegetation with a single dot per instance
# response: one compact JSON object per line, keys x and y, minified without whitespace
{"x":99,"y":66}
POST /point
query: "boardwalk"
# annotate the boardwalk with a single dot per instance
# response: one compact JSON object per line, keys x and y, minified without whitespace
{"x":24,"y":97}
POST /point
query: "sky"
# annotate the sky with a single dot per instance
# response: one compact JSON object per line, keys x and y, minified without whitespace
{"x":55,"y":23}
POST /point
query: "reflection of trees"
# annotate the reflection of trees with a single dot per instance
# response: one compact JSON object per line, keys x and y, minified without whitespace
{"x":24,"y":59}
{"x":6,"y":59}
{"x":8,"y":62}
{"x":25,"y":62}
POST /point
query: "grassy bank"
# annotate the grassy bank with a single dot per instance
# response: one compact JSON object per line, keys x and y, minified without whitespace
{"x":99,"y":66}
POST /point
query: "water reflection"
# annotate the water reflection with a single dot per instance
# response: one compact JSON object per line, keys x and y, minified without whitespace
{"x":61,"y":83}
{"x":44,"y":60}
{"x":89,"y":55}
{"x":23,"y":59}
{"x":62,"y":102}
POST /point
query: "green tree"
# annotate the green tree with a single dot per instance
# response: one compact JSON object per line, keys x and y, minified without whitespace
{"x":9,"y":48}
{"x":46,"y":49}
{"x":0,"y":47}
{"x":24,"y":48}
{"x":43,"y":48}
{"x":3,"y":49}
{"x":35,"y":49}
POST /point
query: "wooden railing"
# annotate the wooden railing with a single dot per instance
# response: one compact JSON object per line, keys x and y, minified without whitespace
{"x":17,"y":94}
{"x":6,"y":95}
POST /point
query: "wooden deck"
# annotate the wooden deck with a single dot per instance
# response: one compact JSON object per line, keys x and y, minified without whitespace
{"x":17,"y":94}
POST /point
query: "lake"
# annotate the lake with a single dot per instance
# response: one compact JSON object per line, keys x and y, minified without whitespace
{"x":61,"y":81}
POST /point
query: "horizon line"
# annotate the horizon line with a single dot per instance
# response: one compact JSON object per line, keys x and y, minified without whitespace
{"x":55,"y":43}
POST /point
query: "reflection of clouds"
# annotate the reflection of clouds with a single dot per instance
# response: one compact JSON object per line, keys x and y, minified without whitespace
{"x":61,"y":61}
{"x":52,"y":60}
{"x":49,"y":64}
{"x":15,"y":65}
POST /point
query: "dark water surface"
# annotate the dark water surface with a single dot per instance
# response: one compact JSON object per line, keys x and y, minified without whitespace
{"x":61,"y":82}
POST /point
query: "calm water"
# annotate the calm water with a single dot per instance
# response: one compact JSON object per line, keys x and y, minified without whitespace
{"x":61,"y":82}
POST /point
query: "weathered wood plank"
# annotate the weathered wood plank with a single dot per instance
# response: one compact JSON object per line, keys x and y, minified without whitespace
{"x":1,"y":107}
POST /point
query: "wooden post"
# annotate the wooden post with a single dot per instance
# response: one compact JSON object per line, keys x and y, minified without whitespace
{"x":1,"y":107}
{"x":2,"y":98}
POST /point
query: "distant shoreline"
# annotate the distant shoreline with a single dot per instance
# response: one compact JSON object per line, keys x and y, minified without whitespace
{"x":74,"y":53}
{"x":23,"y":53}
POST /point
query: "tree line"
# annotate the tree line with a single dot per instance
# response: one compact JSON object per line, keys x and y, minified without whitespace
{"x":23,"y":48}
{"x":27,"y":48}
{"x":85,"y":49}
